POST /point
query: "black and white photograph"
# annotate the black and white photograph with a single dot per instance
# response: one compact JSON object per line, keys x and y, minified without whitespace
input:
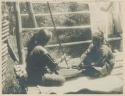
{"x":62,"y":47}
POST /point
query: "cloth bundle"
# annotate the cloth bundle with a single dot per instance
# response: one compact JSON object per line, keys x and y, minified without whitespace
{"x":53,"y":80}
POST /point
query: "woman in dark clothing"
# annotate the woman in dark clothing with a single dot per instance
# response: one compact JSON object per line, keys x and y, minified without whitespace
{"x":98,"y":58}
{"x":38,"y":59}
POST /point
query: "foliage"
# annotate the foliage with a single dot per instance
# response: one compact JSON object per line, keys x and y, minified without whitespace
{"x":11,"y":84}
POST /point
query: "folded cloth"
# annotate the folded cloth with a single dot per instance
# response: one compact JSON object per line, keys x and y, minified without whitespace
{"x":53,"y":80}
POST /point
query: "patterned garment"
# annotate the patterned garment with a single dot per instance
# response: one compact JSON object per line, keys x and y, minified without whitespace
{"x":99,"y":59}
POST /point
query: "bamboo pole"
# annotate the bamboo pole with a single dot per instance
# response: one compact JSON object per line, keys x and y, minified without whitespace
{"x":57,"y":35}
{"x":18,"y":33}
{"x":77,"y":43}
{"x":31,"y":13}
{"x":62,"y":13}
{"x":58,"y":27}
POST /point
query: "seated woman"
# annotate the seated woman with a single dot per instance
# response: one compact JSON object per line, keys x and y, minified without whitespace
{"x":38,"y":59}
{"x":98,"y":58}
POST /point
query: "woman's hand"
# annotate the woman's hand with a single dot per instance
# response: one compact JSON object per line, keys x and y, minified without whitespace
{"x":21,"y":71}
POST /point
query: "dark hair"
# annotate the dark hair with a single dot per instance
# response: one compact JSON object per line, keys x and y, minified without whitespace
{"x":43,"y":36}
{"x":98,"y":35}
{"x":40,"y":38}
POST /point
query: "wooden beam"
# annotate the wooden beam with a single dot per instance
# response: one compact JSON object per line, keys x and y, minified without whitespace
{"x":4,"y":60}
{"x":70,"y":43}
{"x":6,"y":23}
{"x":79,"y":42}
{"x":4,"y":48}
{"x":18,"y":32}
{"x":60,"y":28}
{"x":5,"y":28}
{"x":67,"y":44}
{"x":60,"y":2}
{"x":5,"y":35}
{"x":62,"y":13}
{"x":11,"y":45}
{"x":114,"y":39}
{"x":5,"y":39}
{"x":4,"y":53}
{"x":4,"y":64}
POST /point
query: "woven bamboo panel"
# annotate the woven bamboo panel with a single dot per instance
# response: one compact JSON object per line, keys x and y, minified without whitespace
{"x":5,"y":35}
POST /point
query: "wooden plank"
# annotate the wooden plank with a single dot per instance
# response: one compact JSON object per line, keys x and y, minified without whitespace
{"x":5,"y":35}
{"x":59,"y":2}
{"x":3,"y":79}
{"x":5,"y":39}
{"x":4,"y":72}
{"x":114,"y":39}
{"x":58,"y":27}
{"x":4,"y":57}
{"x":5,"y":31}
{"x":5,"y":15}
{"x":62,"y":13}
{"x":4,"y":69}
{"x":4,"y":76}
{"x":4,"y":48}
{"x":4,"y":21}
{"x":18,"y":33}
{"x":5,"y":24}
{"x":76,"y":43}
{"x":4,"y":53}
{"x":4,"y":65}
{"x":4,"y":60}
{"x":5,"y":28}
{"x":70,"y":43}
{"x":66,"y":44}
{"x":11,"y":49}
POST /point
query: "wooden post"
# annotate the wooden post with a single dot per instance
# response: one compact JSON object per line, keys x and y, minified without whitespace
{"x":18,"y":33}
{"x":31,"y":13}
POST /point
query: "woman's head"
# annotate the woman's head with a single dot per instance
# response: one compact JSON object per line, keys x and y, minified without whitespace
{"x":42,"y":37}
{"x":98,"y":38}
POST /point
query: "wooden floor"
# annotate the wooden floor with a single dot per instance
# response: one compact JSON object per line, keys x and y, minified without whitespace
{"x":84,"y":85}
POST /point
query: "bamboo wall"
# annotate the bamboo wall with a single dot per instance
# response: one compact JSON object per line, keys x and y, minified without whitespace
{"x":5,"y":36}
